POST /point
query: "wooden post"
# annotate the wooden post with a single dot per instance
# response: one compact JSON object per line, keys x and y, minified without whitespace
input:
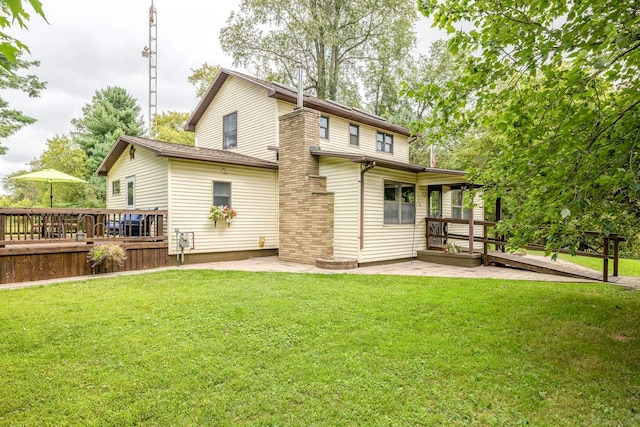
{"x":616,"y":242}
{"x":605,"y":269}
{"x":485,"y":245}
{"x":3,"y":220}
{"x":428,"y":233}
{"x":471,"y":225}
{"x":160,"y":225}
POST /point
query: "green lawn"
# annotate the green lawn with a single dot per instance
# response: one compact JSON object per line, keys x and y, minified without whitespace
{"x":230,"y":348}
{"x":626,"y":267}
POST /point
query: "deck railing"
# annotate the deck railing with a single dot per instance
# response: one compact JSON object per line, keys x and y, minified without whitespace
{"x":39,"y":225}
{"x":438,"y":228}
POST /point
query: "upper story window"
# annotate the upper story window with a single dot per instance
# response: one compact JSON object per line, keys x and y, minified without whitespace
{"x":458,"y":211}
{"x":384,"y":142}
{"x":399,"y":203}
{"x":354,"y":134}
{"x":230,"y":130}
{"x":221,"y":193}
{"x":115,"y":187}
{"x":324,"y":127}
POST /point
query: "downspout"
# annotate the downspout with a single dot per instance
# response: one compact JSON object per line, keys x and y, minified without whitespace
{"x":364,"y":169}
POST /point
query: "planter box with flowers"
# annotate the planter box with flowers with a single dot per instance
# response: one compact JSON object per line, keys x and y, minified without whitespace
{"x":451,"y":254}
{"x":101,"y":255}
{"x":221,"y":213}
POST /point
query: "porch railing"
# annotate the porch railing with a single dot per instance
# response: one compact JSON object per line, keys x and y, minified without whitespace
{"x":39,"y":225}
{"x":500,"y":241}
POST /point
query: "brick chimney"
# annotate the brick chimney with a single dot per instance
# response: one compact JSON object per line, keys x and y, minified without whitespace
{"x":306,"y":208}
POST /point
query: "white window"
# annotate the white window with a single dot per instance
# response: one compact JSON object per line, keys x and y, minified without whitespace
{"x":115,"y":187}
{"x":131,"y":190}
{"x":230,"y":131}
{"x":221,"y":193}
{"x":458,"y":211}
{"x":324,"y":127}
{"x":354,"y":134}
{"x":384,"y":142}
{"x":399,"y":203}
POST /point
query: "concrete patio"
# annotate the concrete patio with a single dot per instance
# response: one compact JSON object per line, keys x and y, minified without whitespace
{"x":405,"y":268}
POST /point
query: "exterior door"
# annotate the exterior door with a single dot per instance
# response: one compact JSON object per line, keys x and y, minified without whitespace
{"x":434,"y":195}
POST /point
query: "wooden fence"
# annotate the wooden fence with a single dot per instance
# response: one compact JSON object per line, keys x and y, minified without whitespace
{"x":40,"y":244}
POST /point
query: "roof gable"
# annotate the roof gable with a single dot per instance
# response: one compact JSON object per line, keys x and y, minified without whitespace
{"x":278,"y":91}
{"x":179,"y":151}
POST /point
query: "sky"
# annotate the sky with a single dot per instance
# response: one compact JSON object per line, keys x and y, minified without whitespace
{"x":89,"y":45}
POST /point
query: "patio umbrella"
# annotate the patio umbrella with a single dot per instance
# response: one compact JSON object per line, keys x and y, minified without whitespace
{"x":50,"y":176}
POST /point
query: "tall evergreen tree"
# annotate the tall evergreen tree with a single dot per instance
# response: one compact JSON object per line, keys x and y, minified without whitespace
{"x":112,"y":112}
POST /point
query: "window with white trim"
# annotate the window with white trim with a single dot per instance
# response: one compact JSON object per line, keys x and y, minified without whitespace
{"x":221,"y":193}
{"x":458,"y":211}
{"x":354,"y":134}
{"x":384,"y":142}
{"x":115,"y":187}
{"x":131,"y":192}
{"x":324,"y":127}
{"x":399,"y":203}
{"x":230,"y":131}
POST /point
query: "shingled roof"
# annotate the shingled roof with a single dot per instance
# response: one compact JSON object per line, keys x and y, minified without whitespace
{"x":179,"y":151}
{"x":278,"y":91}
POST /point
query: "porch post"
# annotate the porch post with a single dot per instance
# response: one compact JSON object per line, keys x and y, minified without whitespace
{"x":471,"y":224}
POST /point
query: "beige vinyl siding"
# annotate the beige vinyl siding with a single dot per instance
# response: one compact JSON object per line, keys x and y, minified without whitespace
{"x":339,"y":137}
{"x":384,"y":242}
{"x":343,"y":180}
{"x":253,"y":196}
{"x":257,"y":120}
{"x":150,"y":174}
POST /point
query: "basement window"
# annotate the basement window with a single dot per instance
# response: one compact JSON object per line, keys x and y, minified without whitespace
{"x":399,"y":203}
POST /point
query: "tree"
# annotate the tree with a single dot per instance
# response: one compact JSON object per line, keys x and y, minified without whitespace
{"x":169,"y":127}
{"x":23,"y":193}
{"x":202,"y":77}
{"x":11,"y":121}
{"x":551,"y":90}
{"x":12,"y":12}
{"x":336,"y":41}
{"x":62,"y":154}
{"x":112,"y":112}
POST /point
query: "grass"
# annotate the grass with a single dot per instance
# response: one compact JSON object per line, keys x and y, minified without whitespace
{"x":233,"y":348}
{"x":626,"y":267}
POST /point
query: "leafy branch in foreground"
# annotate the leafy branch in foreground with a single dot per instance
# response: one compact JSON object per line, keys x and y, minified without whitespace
{"x":549,"y":91}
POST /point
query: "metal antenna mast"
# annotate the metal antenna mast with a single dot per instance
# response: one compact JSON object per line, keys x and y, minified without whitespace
{"x":151,"y":52}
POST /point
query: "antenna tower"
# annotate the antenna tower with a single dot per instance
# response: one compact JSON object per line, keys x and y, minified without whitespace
{"x":151,"y":52}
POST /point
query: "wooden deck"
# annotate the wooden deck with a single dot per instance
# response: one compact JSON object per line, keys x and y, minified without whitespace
{"x":40,"y":244}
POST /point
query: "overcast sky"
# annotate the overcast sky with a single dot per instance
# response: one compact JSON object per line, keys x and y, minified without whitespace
{"x":90,"y":44}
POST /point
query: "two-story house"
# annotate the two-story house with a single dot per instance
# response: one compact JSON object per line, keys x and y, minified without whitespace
{"x":323,"y":180}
